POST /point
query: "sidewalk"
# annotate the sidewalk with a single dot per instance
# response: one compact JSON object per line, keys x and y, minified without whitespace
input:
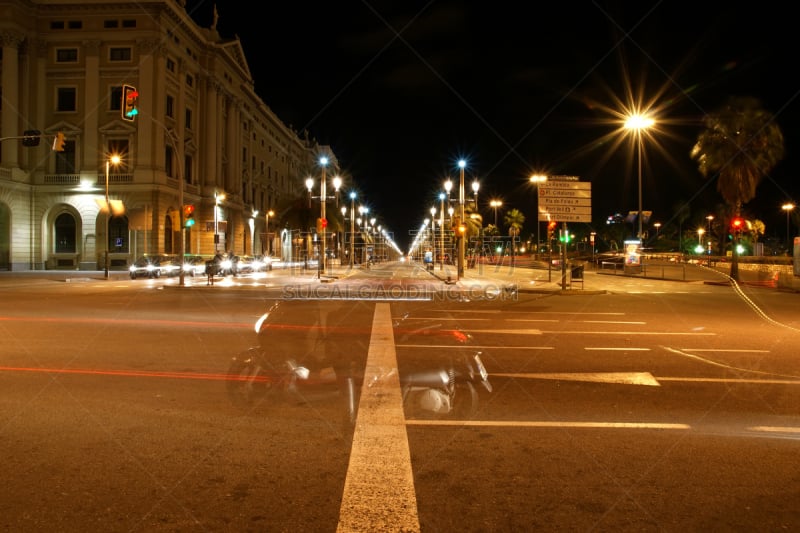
{"x":482,"y":277}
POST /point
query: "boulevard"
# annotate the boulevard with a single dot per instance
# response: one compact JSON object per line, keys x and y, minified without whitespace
{"x":647,"y":406}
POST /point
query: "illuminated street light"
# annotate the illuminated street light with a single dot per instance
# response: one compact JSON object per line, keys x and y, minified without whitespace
{"x":494,"y":204}
{"x":788,"y":207}
{"x":218,"y":197}
{"x":462,"y":245}
{"x":113,"y":160}
{"x":269,"y":242}
{"x":475,"y":186}
{"x":709,"y":218}
{"x":537,"y":179}
{"x":441,"y":230}
{"x":352,"y":227}
{"x":637,"y":123}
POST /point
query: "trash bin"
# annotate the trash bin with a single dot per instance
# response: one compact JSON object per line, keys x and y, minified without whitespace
{"x":576,"y":274}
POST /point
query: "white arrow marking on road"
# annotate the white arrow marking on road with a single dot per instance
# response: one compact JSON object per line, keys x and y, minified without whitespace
{"x":626,"y":378}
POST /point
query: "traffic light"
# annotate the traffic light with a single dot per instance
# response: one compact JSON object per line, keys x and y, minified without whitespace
{"x":322,"y":223}
{"x":737,"y":225}
{"x":31,"y":137}
{"x":462,"y":229}
{"x":58,"y":142}
{"x":130,"y":103}
{"x":551,"y":227}
{"x":188,"y":216}
{"x":564,"y":236}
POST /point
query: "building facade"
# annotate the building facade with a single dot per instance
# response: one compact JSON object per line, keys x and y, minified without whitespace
{"x":202,"y":137}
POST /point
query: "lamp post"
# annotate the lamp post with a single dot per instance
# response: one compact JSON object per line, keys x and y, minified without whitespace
{"x":637,"y":123}
{"x":788,"y":207}
{"x":441,"y":229}
{"x":461,"y":238}
{"x":475,"y":186}
{"x":352,"y":227}
{"x":114,"y":159}
{"x":536,"y":179}
{"x":218,"y":197}
{"x":494,"y":204}
{"x":709,"y":218}
{"x":657,"y":225}
{"x":269,"y":242}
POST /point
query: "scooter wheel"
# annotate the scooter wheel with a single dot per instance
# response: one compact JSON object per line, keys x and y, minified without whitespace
{"x":242,"y":383}
{"x":465,"y":402}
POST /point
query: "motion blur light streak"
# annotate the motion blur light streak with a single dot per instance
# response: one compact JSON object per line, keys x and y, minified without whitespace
{"x":124,"y":373}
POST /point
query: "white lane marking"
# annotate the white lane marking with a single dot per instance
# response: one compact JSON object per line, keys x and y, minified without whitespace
{"x":476,"y":347}
{"x":611,"y":322}
{"x":735,"y":380}
{"x":724,"y":350}
{"x":549,"y":424}
{"x":626,"y":378}
{"x":612,"y":349}
{"x":379,"y":490}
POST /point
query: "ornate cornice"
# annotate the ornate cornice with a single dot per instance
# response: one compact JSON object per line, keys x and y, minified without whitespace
{"x":12,"y":38}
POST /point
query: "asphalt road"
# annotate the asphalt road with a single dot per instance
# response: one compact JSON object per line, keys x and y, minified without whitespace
{"x":657,"y":407}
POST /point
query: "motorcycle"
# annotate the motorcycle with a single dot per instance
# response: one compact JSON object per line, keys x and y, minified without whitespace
{"x":448,"y":390}
{"x":263,"y":374}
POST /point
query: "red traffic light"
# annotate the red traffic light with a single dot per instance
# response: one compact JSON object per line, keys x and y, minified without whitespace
{"x":737,"y":223}
{"x":324,"y":222}
{"x":552,"y":225}
{"x":188,"y":215}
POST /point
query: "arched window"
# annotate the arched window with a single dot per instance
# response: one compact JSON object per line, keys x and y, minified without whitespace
{"x":65,"y":234}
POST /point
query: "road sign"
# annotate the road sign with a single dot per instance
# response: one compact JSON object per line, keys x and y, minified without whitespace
{"x":566,"y":200}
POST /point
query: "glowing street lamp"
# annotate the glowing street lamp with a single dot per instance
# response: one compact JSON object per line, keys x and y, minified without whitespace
{"x":462,"y":246}
{"x":788,"y":207}
{"x":494,"y":204}
{"x":218,"y":197}
{"x":637,"y":123}
{"x":537,"y":179}
{"x":352,"y":227}
{"x":113,"y":160}
{"x":269,"y":242}
{"x":441,"y":230}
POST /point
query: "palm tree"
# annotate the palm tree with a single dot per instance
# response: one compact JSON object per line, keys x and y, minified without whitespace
{"x":740,"y":145}
{"x":514,"y":219}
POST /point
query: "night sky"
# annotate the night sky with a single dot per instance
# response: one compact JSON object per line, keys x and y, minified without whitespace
{"x":402,"y":90}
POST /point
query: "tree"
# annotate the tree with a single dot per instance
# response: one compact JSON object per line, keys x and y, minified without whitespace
{"x":740,"y":145}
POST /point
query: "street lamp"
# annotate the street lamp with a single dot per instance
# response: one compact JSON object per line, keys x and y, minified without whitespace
{"x":709,"y":218}
{"x":657,"y":225}
{"x":352,"y":227}
{"x":114,"y":159}
{"x":475,"y":186}
{"x":537,"y":179}
{"x":494,"y":204}
{"x":218,"y":197}
{"x":323,"y":198}
{"x":700,"y":246}
{"x":461,"y":218}
{"x":433,"y":232}
{"x":637,"y":123}
{"x":269,"y":243}
{"x":788,"y":208}
{"x":441,"y":230}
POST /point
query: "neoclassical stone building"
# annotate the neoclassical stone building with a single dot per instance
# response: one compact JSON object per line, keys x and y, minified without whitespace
{"x":202,"y":137}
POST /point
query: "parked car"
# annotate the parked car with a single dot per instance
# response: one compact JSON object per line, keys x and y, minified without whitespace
{"x":154,"y":266}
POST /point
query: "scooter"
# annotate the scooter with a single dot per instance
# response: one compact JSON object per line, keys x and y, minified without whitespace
{"x":448,"y":390}
{"x":260,"y":375}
